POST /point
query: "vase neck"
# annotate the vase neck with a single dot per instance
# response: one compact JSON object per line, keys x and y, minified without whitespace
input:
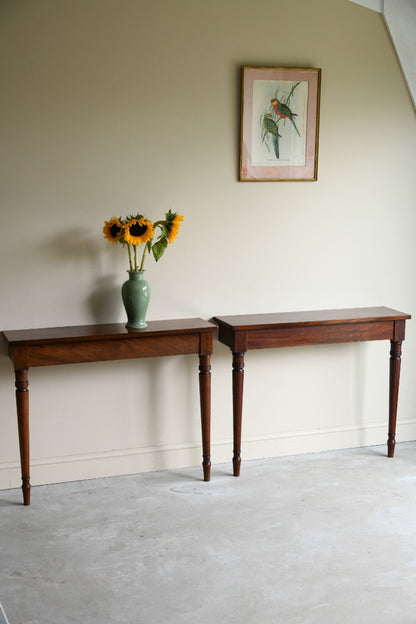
{"x":136,"y":275}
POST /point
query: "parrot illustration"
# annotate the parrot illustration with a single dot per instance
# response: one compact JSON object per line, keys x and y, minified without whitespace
{"x":270,"y":126}
{"x":282,"y":110}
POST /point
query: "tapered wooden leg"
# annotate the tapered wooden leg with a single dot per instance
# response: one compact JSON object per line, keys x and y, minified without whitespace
{"x":238,"y":384}
{"x":395,"y":362}
{"x":22,"y":403}
{"x":205,"y":400}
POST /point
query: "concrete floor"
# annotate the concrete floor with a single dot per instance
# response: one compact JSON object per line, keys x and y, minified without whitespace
{"x":326,"y":538}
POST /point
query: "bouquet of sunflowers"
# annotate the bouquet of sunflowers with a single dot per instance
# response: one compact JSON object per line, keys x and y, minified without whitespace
{"x":135,"y":230}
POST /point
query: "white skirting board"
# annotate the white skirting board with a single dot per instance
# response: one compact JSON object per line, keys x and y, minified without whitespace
{"x":166,"y":457}
{"x":3,"y":618}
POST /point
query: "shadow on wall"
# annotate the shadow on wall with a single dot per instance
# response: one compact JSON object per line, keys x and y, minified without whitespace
{"x":159,"y":373}
{"x":87,"y":256}
{"x":105,"y":300}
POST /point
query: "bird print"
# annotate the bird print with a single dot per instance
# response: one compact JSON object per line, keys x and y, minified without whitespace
{"x":270,"y":126}
{"x":283,"y":111}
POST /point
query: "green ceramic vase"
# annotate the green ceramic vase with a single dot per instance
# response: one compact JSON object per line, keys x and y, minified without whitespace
{"x":135,"y":293}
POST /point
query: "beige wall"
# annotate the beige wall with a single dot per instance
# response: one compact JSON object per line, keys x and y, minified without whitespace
{"x":112,"y":107}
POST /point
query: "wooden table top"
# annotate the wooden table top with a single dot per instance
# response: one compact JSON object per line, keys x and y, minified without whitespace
{"x":311,"y":317}
{"x":116,"y":331}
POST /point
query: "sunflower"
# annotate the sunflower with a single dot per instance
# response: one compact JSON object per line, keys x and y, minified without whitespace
{"x":134,"y":230}
{"x":173,"y":221}
{"x":138,"y":230}
{"x":113,"y":230}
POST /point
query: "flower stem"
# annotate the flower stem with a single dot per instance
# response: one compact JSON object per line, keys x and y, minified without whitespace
{"x":142,"y":262}
{"x":130,"y":262}
{"x":135,"y":257}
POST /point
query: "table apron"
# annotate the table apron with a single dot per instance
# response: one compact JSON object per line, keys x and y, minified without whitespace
{"x":106,"y":350}
{"x":317,"y":334}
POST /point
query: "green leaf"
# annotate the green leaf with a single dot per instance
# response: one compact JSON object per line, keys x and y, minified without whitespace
{"x":163,"y":231}
{"x":159,"y":248}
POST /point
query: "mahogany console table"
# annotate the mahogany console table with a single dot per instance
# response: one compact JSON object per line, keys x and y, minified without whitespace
{"x":96,"y":343}
{"x":261,"y":331}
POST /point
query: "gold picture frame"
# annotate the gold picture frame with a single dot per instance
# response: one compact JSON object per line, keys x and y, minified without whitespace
{"x":279,"y":124}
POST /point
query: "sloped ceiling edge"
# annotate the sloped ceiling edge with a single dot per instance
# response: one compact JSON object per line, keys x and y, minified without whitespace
{"x":400,"y":19}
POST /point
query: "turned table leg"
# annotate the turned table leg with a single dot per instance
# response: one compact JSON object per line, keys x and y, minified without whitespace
{"x":205,"y":400}
{"x":22,"y":403}
{"x":238,"y":383}
{"x":395,"y":362}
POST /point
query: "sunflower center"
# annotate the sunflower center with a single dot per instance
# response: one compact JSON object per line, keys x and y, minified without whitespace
{"x":137,"y":230}
{"x":115,"y":230}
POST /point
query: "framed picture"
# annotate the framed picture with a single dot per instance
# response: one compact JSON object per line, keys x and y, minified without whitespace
{"x":279,"y":124}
